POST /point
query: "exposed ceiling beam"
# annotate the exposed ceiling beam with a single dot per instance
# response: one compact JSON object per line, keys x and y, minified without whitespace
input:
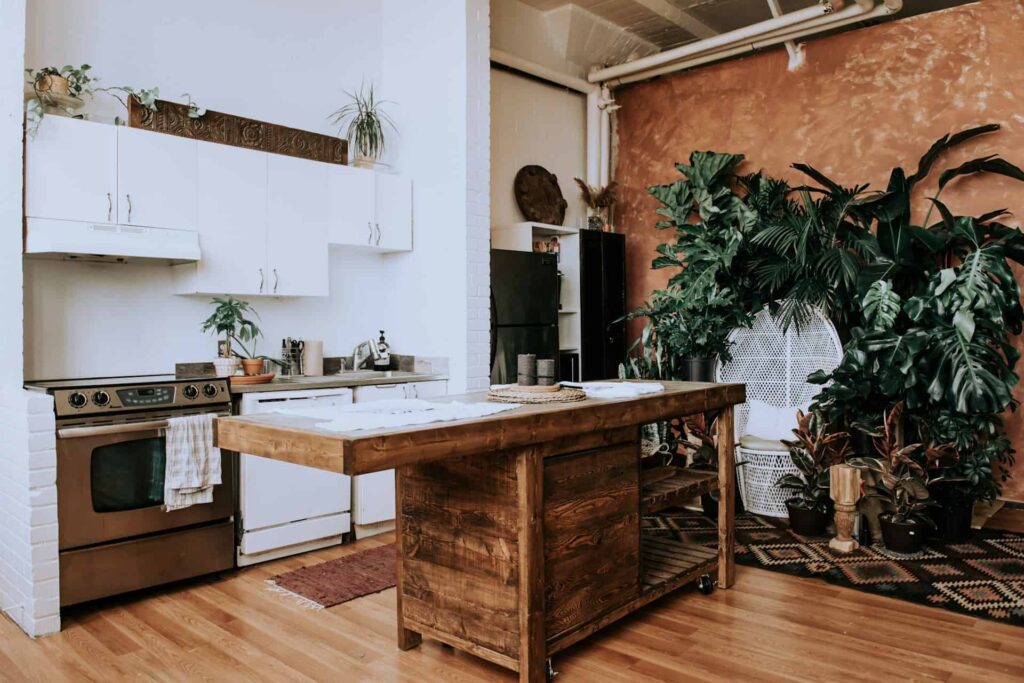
{"x":681,"y":18}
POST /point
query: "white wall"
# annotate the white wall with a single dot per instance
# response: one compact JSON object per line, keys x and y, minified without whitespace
{"x":535,"y":123}
{"x":434,"y":54}
{"x":287,"y":63}
{"x":28,"y":514}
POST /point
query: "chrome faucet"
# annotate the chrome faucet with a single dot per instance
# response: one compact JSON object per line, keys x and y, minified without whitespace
{"x":365,"y":351}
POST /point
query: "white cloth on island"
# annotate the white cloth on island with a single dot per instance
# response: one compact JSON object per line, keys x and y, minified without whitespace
{"x":395,"y":413}
{"x":192,"y":468}
{"x":617,"y":389}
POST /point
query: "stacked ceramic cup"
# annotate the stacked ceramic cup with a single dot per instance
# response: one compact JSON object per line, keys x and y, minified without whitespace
{"x":526,"y":369}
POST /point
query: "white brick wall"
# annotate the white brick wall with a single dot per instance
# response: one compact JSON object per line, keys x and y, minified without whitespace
{"x":478,"y":193}
{"x":29,"y":588}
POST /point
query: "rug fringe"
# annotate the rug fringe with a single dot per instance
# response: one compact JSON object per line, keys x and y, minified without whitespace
{"x":300,"y":600}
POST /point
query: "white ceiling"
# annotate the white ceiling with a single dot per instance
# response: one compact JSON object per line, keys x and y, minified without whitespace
{"x":670,"y":23}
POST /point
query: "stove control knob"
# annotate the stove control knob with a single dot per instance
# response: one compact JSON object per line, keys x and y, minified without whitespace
{"x":77,"y":400}
{"x":210,"y":390}
{"x":190,"y":391}
{"x":101,"y":398}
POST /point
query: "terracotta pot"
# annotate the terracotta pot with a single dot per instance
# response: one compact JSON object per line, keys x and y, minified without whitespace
{"x":806,"y":522}
{"x":903,"y":537}
{"x":55,"y":85}
{"x":253,"y":366}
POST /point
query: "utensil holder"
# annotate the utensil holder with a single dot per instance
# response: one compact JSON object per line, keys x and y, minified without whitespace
{"x":526,"y":369}
{"x":546,"y":372}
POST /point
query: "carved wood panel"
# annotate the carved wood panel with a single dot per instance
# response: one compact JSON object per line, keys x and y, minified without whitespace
{"x":172,"y":118}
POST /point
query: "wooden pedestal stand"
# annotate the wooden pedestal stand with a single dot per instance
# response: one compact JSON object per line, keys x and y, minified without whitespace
{"x":845,"y":491}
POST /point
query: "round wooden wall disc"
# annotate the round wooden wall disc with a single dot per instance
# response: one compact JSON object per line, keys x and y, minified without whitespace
{"x":538,"y":196}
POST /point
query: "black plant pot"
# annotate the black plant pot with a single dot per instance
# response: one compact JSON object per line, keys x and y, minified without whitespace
{"x":952,"y":518}
{"x":709,"y":503}
{"x":699,"y":369}
{"x":903,"y":537}
{"x":806,"y":522}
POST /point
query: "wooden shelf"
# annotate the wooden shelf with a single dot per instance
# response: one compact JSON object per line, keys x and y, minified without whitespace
{"x":668,"y":487}
{"x":667,"y":564}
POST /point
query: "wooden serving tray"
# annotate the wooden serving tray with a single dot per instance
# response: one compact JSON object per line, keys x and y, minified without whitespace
{"x":535,"y":388}
{"x":252,"y":379}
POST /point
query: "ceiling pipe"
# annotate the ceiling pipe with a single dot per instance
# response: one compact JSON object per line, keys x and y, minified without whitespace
{"x":723,"y":40}
{"x":853,"y":13}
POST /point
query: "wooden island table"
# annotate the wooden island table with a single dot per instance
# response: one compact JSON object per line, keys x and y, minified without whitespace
{"x":520,"y":533}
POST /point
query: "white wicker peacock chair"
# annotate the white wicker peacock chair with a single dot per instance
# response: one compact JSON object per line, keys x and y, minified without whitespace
{"x":774,"y":364}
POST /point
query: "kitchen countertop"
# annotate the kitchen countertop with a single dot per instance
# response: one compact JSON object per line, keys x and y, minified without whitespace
{"x":350,"y":378}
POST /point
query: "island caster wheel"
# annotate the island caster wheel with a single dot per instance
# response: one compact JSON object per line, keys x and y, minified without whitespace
{"x":705,"y":584}
{"x":550,"y":669}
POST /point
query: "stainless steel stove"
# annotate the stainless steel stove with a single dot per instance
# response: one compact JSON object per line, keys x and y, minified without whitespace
{"x":114,"y":535}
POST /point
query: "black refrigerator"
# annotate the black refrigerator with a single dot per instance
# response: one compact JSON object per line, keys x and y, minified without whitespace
{"x":524,"y":309}
{"x":602,"y":304}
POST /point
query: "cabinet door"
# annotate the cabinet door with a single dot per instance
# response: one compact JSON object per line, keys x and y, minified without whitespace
{"x":394,"y":213}
{"x":350,"y":205}
{"x":427,"y":389}
{"x":232,"y":221}
{"x":71,"y":171}
{"x":297,"y":210}
{"x":373,"y":495}
{"x":156,"y":179}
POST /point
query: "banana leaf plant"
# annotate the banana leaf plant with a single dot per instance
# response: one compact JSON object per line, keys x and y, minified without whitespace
{"x":814,"y":451}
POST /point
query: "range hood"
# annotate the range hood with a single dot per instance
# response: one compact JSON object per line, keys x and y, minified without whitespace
{"x":109,"y":242}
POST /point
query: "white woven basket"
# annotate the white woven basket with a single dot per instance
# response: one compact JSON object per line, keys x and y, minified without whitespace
{"x":774,"y":364}
{"x":757,"y":477}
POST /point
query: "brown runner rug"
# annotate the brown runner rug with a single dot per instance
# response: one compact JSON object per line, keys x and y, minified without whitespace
{"x":336,"y":581}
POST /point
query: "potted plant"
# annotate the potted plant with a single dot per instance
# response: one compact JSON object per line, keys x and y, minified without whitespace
{"x":814,"y":452}
{"x":898,"y":476}
{"x":364,"y":121}
{"x":230,"y":318}
{"x":697,"y":438}
{"x":600,"y":201}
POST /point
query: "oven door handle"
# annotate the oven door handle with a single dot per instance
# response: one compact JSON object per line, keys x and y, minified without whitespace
{"x":101,"y":430}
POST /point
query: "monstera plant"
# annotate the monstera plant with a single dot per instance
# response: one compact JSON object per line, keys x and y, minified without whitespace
{"x":939,"y":307}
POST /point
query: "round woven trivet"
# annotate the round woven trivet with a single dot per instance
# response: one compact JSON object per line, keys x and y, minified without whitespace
{"x":566,"y":395}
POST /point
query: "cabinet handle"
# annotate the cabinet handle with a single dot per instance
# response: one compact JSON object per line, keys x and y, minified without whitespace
{"x":129,"y":198}
{"x":110,"y":207}
{"x":261,"y":280}
{"x":369,"y":240}
{"x":378,"y":234}
{"x":275,"y":280}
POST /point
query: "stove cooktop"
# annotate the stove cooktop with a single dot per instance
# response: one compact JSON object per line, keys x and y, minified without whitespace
{"x":101,"y":395}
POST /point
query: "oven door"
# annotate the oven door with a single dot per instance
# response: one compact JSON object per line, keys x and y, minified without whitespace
{"x":110,"y":485}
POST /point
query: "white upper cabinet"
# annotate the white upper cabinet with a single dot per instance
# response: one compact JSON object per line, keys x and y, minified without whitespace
{"x":232,"y":222}
{"x":156,"y":179}
{"x":352,"y":205}
{"x":297,"y":209}
{"x":394,"y":213}
{"x":71,"y":171}
{"x":370,"y":210}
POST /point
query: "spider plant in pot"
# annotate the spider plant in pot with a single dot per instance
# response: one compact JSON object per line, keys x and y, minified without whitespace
{"x":898,"y":476}
{"x":364,"y":121}
{"x":814,"y":452}
{"x":230,"y":320}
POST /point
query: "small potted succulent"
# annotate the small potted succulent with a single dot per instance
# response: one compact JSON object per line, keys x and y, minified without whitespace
{"x":813,"y":452}
{"x":364,"y":120}
{"x":230,"y":318}
{"x":898,"y":476}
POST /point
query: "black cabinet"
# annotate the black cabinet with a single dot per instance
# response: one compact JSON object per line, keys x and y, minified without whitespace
{"x":602,"y":304}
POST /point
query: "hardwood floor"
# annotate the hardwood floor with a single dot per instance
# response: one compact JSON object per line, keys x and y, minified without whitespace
{"x":768,"y":627}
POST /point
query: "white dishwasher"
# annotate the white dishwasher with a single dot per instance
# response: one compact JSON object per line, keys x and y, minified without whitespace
{"x":285,"y":509}
{"x":373,"y":495}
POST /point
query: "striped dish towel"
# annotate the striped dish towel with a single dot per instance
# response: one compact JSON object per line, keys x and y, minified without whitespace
{"x":193,"y":462}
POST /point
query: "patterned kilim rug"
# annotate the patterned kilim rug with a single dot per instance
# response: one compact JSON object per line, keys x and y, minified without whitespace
{"x":983,"y":577}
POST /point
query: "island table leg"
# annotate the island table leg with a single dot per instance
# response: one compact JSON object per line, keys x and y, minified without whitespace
{"x":726,"y":498}
{"x":532,"y":636}
{"x":407,"y":639}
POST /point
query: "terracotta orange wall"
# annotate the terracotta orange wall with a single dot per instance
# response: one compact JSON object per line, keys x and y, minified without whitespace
{"x":866,"y":101}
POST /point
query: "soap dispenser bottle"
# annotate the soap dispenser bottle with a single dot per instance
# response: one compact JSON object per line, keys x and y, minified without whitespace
{"x":382,"y":361}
